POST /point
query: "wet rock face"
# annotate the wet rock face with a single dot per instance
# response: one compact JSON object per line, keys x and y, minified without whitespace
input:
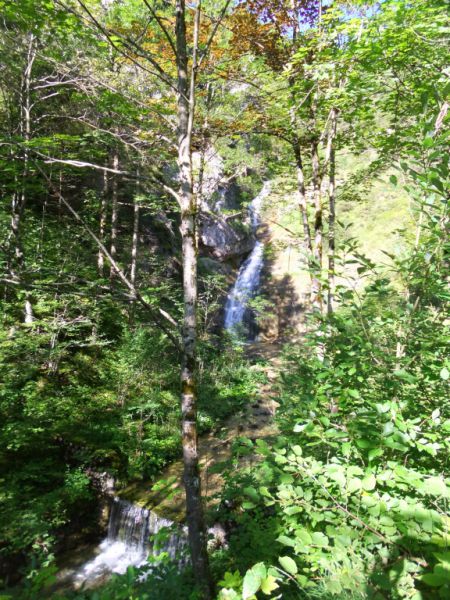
{"x":102,"y":482}
{"x":221,"y":240}
{"x":209,"y":265}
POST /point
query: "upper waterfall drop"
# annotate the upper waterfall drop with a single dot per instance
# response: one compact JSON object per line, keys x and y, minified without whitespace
{"x":247,"y":281}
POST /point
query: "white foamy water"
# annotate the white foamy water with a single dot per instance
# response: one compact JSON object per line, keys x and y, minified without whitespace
{"x":248,"y":278}
{"x":129,"y":542}
{"x":114,"y":557}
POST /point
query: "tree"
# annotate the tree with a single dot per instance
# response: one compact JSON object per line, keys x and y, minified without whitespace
{"x":297,"y":43}
{"x":186,"y":86}
{"x":175,"y":71}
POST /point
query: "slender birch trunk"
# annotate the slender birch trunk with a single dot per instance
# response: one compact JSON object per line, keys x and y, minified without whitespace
{"x":134,"y":242}
{"x":201,"y":169}
{"x":19,"y":197}
{"x":332,"y":213}
{"x":114,"y":212}
{"x":102,"y":226}
{"x":301,"y":188}
{"x":186,"y":107}
{"x":302,"y":203}
{"x":316,"y":285}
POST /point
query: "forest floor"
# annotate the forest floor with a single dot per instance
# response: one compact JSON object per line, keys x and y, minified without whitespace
{"x":255,"y":421}
{"x":166,"y":496}
{"x":282,"y":289}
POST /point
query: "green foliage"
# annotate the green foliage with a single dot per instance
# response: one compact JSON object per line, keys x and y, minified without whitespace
{"x":351,"y":501}
{"x":355,"y":490}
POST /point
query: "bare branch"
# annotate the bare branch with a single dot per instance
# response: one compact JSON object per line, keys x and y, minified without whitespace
{"x":160,"y":73}
{"x":135,"y":293}
{"x":83,"y":164}
{"x":214,"y":31}
{"x":162,"y":26}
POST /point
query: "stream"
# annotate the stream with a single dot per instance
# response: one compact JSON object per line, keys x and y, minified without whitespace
{"x":131,"y":528}
{"x":129,"y":542}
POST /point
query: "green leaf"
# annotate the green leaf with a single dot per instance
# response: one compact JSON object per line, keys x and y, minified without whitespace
{"x":283,"y":539}
{"x":252,"y":582}
{"x":375,"y":453}
{"x":231,"y":580}
{"x":347,"y":449}
{"x":293,"y":510}
{"x":320,"y":539}
{"x":354,"y":485}
{"x":363,"y":443}
{"x":251,"y":493}
{"x":268,"y":585}
{"x":435,"y":486}
{"x":442,"y":571}
{"x":435,"y":414}
{"x":433,"y":579}
{"x":304,"y":536}
{"x":369,"y":482}
{"x":444,"y":373}
{"x":437,"y":183}
{"x":260,"y":570}
{"x":402,"y":374}
{"x":443,"y":557}
{"x":288,"y":565}
{"x":388,"y":428}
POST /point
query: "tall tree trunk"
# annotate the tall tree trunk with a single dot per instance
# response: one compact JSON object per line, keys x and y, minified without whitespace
{"x":17,"y":266}
{"x":205,"y":140}
{"x":135,"y":241}
{"x":302,"y":200}
{"x":332,"y":213}
{"x":102,"y":227}
{"x":114,"y":211}
{"x":302,"y":196}
{"x":316,"y":285}
{"x":301,"y":188}
{"x":186,"y":106}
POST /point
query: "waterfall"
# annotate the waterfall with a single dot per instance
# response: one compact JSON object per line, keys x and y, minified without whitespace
{"x":247,"y":281}
{"x":128,"y":542}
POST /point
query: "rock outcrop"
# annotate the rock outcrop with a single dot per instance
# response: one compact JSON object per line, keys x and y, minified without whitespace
{"x":219,"y":239}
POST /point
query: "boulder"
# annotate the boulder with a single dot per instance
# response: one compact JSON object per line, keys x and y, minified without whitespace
{"x":221,"y":240}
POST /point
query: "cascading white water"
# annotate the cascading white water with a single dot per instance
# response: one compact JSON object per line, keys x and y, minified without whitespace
{"x":246,"y":284}
{"x":128,"y":542}
{"x":247,"y":281}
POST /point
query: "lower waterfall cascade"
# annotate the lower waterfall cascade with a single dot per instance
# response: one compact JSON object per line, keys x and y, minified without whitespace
{"x":247,"y":281}
{"x":128,"y":542}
